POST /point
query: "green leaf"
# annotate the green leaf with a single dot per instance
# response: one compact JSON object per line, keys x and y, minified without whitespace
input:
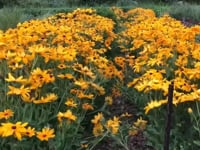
{"x":196,"y":142}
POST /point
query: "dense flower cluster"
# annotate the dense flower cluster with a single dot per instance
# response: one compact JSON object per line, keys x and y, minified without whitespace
{"x":63,"y":68}
{"x":166,"y":51}
{"x":58,"y":63}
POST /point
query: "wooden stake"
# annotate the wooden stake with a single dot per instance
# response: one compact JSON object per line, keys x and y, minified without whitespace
{"x":169,"y":116}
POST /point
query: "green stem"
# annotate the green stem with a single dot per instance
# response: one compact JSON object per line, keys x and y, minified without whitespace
{"x":197,"y":105}
{"x":34,"y":62}
{"x":105,"y":134}
{"x":77,"y":128}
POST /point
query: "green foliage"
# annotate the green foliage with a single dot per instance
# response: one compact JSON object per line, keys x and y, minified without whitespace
{"x":10,"y":17}
{"x":185,"y":11}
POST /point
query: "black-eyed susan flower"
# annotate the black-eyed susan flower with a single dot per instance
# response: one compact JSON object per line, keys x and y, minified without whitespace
{"x":66,"y":76}
{"x":82,"y":83}
{"x":11,"y":78}
{"x":140,"y":123}
{"x":108,"y":100}
{"x":99,"y":88}
{"x":45,"y":134}
{"x":13,"y":129}
{"x":68,"y":115}
{"x":6,"y":114}
{"x":113,"y":125}
{"x":81,"y":95}
{"x":98,"y":129}
{"x":154,"y":104}
{"x":70,"y":103}
{"x":18,"y":91}
{"x":40,"y":77}
{"x":97,"y":118}
{"x":30,"y":132}
{"x":62,"y":66}
{"x":47,"y":99}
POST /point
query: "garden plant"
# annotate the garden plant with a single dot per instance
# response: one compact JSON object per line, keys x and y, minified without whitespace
{"x":80,"y":80}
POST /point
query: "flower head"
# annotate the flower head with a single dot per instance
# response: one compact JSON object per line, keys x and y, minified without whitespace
{"x":6,"y":114}
{"x":17,"y":130}
{"x":45,"y":134}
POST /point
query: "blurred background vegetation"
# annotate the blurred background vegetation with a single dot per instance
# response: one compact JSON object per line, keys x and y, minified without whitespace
{"x":58,"y":3}
{"x":15,"y":11}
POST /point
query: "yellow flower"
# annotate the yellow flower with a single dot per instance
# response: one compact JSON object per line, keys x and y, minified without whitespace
{"x":45,"y":134}
{"x":81,"y":95}
{"x":140,"y":123}
{"x":97,"y":118}
{"x":70,"y":102}
{"x":14,"y":65}
{"x":13,"y":79}
{"x":62,"y":66}
{"x":30,"y":132}
{"x":82,"y":84}
{"x":84,"y":70}
{"x":126,"y":114}
{"x":98,"y":129}
{"x":49,"y":98}
{"x":19,"y":91}
{"x":133,"y":131}
{"x":8,"y":129}
{"x":6,"y":114}
{"x":113,"y":125}
{"x":100,"y":89}
{"x":66,"y":115}
{"x":108,"y":100}
{"x":67,"y":76}
{"x":154,"y":104}
{"x":120,"y":61}
{"x":40,"y":77}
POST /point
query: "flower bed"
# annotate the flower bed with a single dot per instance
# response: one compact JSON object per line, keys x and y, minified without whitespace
{"x":62,"y":77}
